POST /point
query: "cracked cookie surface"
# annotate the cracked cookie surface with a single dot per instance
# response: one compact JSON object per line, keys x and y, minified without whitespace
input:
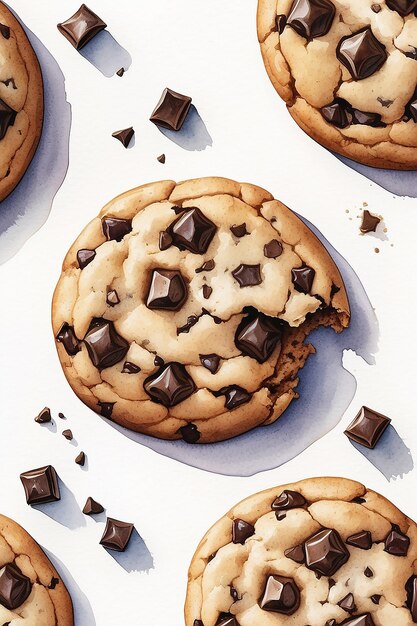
{"x":182,"y":310}
{"x":21,"y":102}
{"x":31,"y":591}
{"x":347,"y":70}
{"x":322,"y":552}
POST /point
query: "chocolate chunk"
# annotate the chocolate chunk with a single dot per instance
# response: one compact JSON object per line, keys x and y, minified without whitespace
{"x":165,"y":240}
{"x":337,"y":113}
{"x":348,"y":603}
{"x":302,"y":278}
{"x":84,"y":257}
{"x":361,"y":53}
{"x":241,"y":531}
{"x":106,"y":408}
{"x":234,"y":594}
{"x":207,"y":291}
{"x":411,"y":602}
{"x":112,"y":297}
{"x":54,"y":582}
{"x":258,"y":336}
{"x":41,"y":485}
{"x":368,"y":572}
{"x":403,"y":7}
{"x":62,"y":416}
{"x":116,"y":535}
{"x":130,"y":368}
{"x":193,"y":231}
{"x":273,"y":249}
{"x":311,"y":18}
{"x":7,"y":118}
{"x":362,"y":620}
{"x":359,"y":500}
{"x":91,"y":507}
{"x":239,"y":231}
{"x":206,"y":267}
{"x":295,"y":554}
{"x":67,"y":337}
{"x":120,"y":72}
{"x":190,"y":433}
{"x":124,"y":136}
{"x":104,"y":345}
{"x":158,"y":361}
{"x":15,"y":587}
{"x":367,"y":119}
{"x":367,"y":427}
{"x":248,"y":275}
{"x":198,"y":622}
{"x":210,"y":362}
{"x":369,"y":222}
{"x":170,"y":385}
{"x":362,"y":540}
{"x":325,"y":552}
{"x":171,"y":110}
{"x":44,"y":416}
{"x":167,"y":291}
{"x":68,"y":434}
{"x":330,"y":622}
{"x":191,"y":321}
{"x":376,"y":8}
{"x":280,"y":515}
{"x":280,"y":23}
{"x":411,"y":108}
{"x":397,"y":543}
{"x":375,"y":598}
{"x":177,"y":209}
{"x":80,"y":459}
{"x":288,"y":500}
{"x":5,"y":31}
{"x":161,"y":158}
{"x":81,"y":27}
{"x":226,"y":619}
{"x":235,"y":396}
{"x":281,"y":595}
{"x":115,"y":228}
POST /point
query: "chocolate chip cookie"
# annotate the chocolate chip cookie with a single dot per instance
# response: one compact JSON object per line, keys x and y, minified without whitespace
{"x":21,"y":102}
{"x":31,"y":590}
{"x":347,"y":70}
{"x":322,"y":552}
{"x":182,"y":310}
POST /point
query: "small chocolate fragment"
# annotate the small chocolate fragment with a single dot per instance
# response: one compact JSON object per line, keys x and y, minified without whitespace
{"x":104,"y":345}
{"x":241,"y":531}
{"x":130,"y":368}
{"x":158,"y":361}
{"x":362,"y":620}
{"x":397,"y":543}
{"x":5,"y":31}
{"x":273,"y":249}
{"x":112,"y":297}
{"x":84,"y":257}
{"x":193,"y":231}
{"x":7,"y":118}
{"x":167,"y":291}
{"x":54,"y":582}
{"x":362,"y":540}
{"x":165,"y":240}
{"x":124,"y":136}
{"x":325,"y":552}
{"x":362,"y":54}
{"x":44,"y":416}
{"x":106,"y":408}
{"x":280,"y":515}
{"x":296,"y":554}
{"x":288,"y":500}
{"x":171,"y":110}
{"x":170,"y":385}
{"x":403,"y":7}
{"x":41,"y":485}
{"x":367,"y":427}
{"x":280,"y":23}
{"x":375,"y":598}
{"x":15,"y":587}
{"x":68,"y":434}
{"x":302,"y":278}
{"x":177,"y":209}
{"x":234,"y":594}
{"x":377,"y":7}
{"x":226,"y":619}
{"x":368,"y":572}
{"x":235,"y":396}
{"x":190,"y":433}
{"x":210,"y":362}
{"x":281,"y":595}
{"x":198,"y":622}
{"x":116,"y":535}
{"x":258,"y":336}
{"x":121,"y":71}
{"x":62,"y":416}
{"x":411,"y":602}
{"x":207,"y":291}
{"x":369,"y":222}
{"x":115,"y":228}
{"x":239,"y":230}
{"x":337,"y":113}
{"x":80,"y":459}
{"x":330,"y":622}
{"x":191,"y":321}
{"x":206,"y":267}
{"x":91,"y":507}
{"x":161,"y":158}
{"x":67,"y":337}
{"x":348,"y":603}
{"x":247,"y":275}
{"x":311,"y":18}
{"x":81,"y":27}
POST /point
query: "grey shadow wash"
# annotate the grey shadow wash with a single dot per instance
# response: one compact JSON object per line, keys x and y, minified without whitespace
{"x":326,"y":390}
{"x":106,"y":54}
{"x":66,"y":511}
{"x":136,"y":557}
{"x":193,"y":135}
{"x":27,"y":208}
{"x":396,"y":182}
{"x":390,"y":456}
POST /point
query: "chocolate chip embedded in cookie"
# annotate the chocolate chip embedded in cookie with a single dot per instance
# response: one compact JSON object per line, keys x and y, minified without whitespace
{"x":342,"y":555}
{"x":183,"y":309}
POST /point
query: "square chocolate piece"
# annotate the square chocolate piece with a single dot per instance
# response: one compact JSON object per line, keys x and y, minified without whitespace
{"x":367,"y":427}
{"x":81,"y":27}
{"x":116,"y":535}
{"x":41,"y":485}
{"x":171,"y":110}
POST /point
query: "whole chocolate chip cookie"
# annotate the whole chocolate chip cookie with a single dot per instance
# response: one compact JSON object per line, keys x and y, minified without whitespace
{"x":347,"y":70}
{"x":322,"y":552}
{"x":182,"y":310}
{"x":21,"y":102}
{"x":31,"y":590}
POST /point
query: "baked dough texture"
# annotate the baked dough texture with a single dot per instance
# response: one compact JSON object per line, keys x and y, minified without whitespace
{"x":215,"y":354}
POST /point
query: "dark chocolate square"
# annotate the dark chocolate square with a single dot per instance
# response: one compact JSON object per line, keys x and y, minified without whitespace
{"x":367,"y":427}
{"x":81,"y":27}
{"x":41,"y":485}
{"x":171,"y":110}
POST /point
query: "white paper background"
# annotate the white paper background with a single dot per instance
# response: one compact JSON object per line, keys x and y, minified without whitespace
{"x":208,"y":50}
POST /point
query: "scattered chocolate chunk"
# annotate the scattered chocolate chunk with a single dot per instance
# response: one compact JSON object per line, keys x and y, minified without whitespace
{"x":376,"y":8}
{"x":235,"y":396}
{"x":54,"y":582}
{"x":362,"y":540}
{"x":337,"y":113}
{"x":247,"y":275}
{"x":362,"y":620}
{"x":191,"y":321}
{"x":193,"y":231}
{"x":112,"y":297}
{"x":91,"y":507}
{"x":81,"y":27}
{"x":130,"y":368}
{"x":170,"y":385}
{"x":281,"y":595}
{"x":104,"y":345}
{"x":84,"y":257}
{"x":206,"y":267}
{"x":15,"y":587}
{"x":362,"y":54}
{"x":280,"y":23}
{"x":62,"y":416}
{"x":158,"y":361}
{"x":124,"y":136}
{"x":239,"y":230}
{"x":241,"y":531}
{"x":167,"y":291}
{"x":207,"y":291}
{"x":367,"y":427}
{"x":171,"y":110}
{"x":115,"y":228}
{"x":44,"y":416}
{"x":210,"y":362}
{"x":68,"y":434}
{"x":161,"y":158}
{"x":368,"y":572}
{"x":296,"y":554}
{"x":190,"y":433}
{"x":375,"y":598}
{"x":41,"y":485}
{"x":288,"y":500}
{"x":369,"y":222}
{"x":116,"y":535}
{"x":273,"y":249}
{"x":106,"y":408}
{"x":5,"y":31}
{"x":348,"y":603}
{"x":80,"y":459}
{"x":403,"y":7}
{"x":302,"y":278}
{"x":7,"y":118}
{"x":325,"y":552}
{"x":257,"y":336}
{"x":311,"y":18}
{"x":165,"y":240}
{"x":397,"y":543}
{"x":411,"y":602}
{"x":67,"y":337}
{"x":121,"y":72}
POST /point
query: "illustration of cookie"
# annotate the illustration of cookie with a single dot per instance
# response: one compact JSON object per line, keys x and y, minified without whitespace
{"x":182,"y":310}
{"x":347,"y":70}
{"x":322,"y":552}
{"x":21,"y":102}
{"x":31,"y":590}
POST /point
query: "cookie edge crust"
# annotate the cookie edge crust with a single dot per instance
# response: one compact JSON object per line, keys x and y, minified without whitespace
{"x":34,"y":106}
{"x":22,"y":542}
